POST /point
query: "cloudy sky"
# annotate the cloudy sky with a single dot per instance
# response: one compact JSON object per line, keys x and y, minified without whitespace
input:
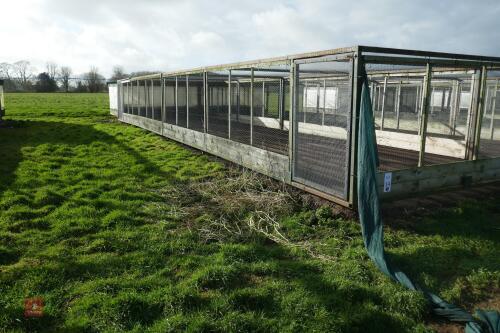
{"x":173,"y":34}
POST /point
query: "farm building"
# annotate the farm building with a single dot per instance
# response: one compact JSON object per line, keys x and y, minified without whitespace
{"x":113,"y":98}
{"x":295,"y":118}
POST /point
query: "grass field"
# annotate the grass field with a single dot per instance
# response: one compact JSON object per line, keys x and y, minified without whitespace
{"x":118,"y":229}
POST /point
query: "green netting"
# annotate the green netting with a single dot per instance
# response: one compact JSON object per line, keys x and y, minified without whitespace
{"x":372,"y":227}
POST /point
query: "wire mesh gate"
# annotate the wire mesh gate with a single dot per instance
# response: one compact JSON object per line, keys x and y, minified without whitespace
{"x":322,"y":123}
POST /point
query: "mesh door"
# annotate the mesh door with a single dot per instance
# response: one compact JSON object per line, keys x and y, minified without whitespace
{"x":322,"y":126}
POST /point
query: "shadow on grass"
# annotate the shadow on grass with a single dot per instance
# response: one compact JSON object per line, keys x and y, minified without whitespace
{"x":18,"y":134}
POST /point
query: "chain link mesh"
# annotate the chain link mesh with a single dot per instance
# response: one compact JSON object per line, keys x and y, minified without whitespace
{"x":218,"y":111}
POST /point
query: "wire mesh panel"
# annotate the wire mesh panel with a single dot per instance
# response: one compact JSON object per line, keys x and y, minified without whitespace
{"x":490,"y":128}
{"x":218,"y":111}
{"x":181,"y":101}
{"x":196,"y":113}
{"x":156,"y":99}
{"x":321,"y":148}
{"x":126,"y":97}
{"x":119,"y":100}
{"x":286,"y":102}
{"x":142,"y":97}
{"x":135,"y":98}
{"x":396,"y":93}
{"x":449,"y":114}
{"x":240,"y":105}
{"x":169,"y":100}
{"x":147,"y":99}
{"x":410,"y":101}
{"x":269,"y":130}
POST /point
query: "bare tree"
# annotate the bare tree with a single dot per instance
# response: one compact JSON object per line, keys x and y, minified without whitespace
{"x":6,"y":70}
{"x":23,"y":71}
{"x":52,"y":69}
{"x":118,"y":73}
{"x":94,"y":80}
{"x":64,"y":76}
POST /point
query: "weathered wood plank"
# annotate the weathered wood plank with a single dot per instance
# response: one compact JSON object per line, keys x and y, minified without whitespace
{"x":439,"y":177}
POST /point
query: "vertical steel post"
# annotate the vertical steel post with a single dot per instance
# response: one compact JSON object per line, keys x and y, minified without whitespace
{"x":229,"y":102}
{"x":292,"y":121}
{"x":398,"y":105}
{"x":205,"y":102}
{"x":454,"y":107}
{"x":263,"y":98}
{"x":318,"y":87}
{"x":238,"y":101}
{"x":433,"y":96}
{"x":324,"y":103}
{"x":384,"y":94}
{"x":417,"y":96}
{"x":187,"y":101}
{"x":357,"y":77}
{"x":163,"y":106}
{"x":146,"y":98}
{"x":471,"y":109}
{"x":127,"y":107}
{"x":281,"y":103}
{"x":304,"y":103}
{"x":251,"y":105}
{"x":152,"y":99}
{"x":176,"y":101}
{"x":138,"y":99}
{"x":448,"y":105}
{"x":479,"y":114}
{"x":425,"y":112}
{"x":379,"y":96}
{"x":493,"y":107}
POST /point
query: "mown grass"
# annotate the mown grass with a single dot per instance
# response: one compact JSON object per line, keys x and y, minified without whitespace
{"x":104,"y":221}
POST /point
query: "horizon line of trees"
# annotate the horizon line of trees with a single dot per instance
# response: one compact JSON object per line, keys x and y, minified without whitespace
{"x":20,"y":77}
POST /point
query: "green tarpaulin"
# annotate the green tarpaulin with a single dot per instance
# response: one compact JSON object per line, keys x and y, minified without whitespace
{"x":372,"y":227}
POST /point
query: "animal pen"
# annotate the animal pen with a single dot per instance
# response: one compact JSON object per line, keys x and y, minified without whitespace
{"x":295,"y":118}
